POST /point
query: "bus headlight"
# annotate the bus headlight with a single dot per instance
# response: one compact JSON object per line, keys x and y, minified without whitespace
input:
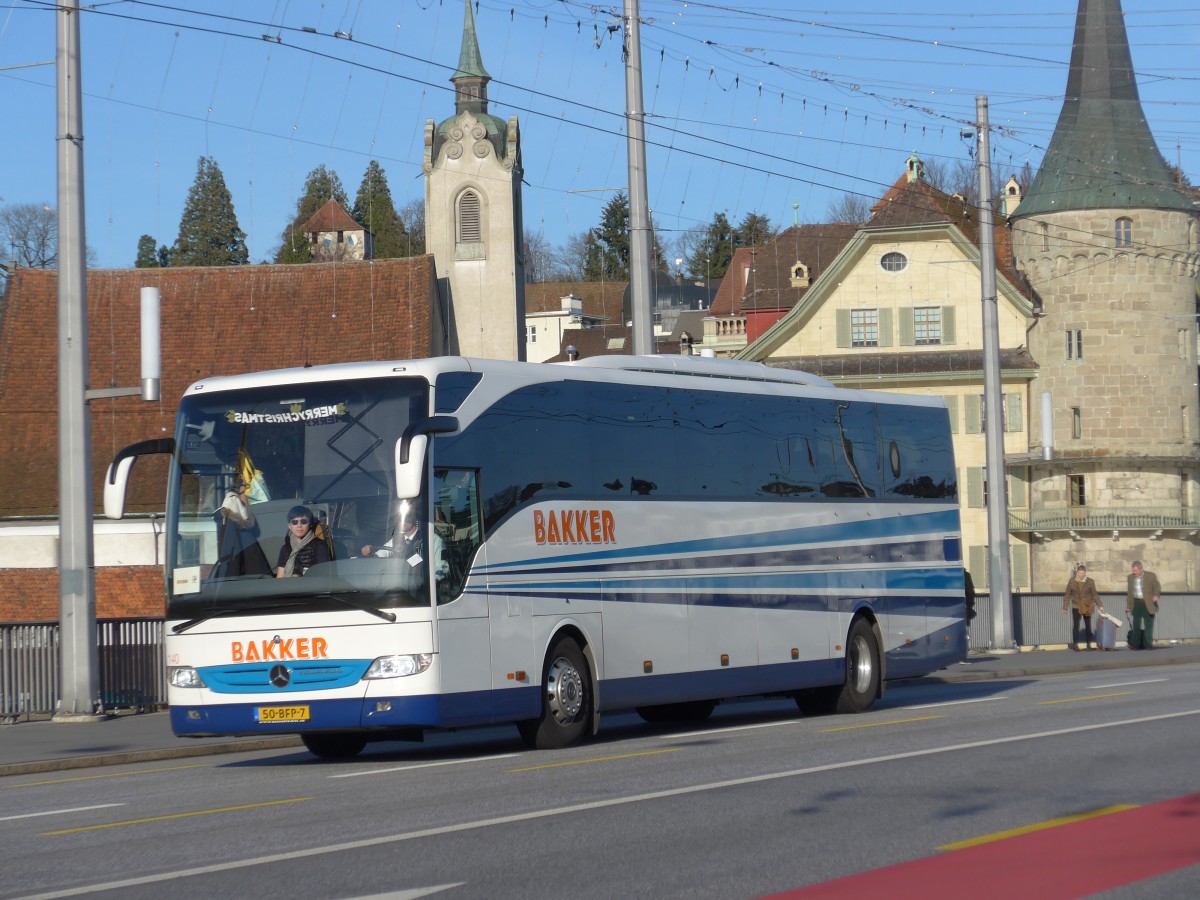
{"x":184,"y":677}
{"x":399,"y":666}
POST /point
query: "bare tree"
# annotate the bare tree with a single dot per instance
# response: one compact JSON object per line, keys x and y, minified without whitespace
{"x":854,"y":208}
{"x":412,"y":217}
{"x":29,"y":232}
{"x":539,"y":258}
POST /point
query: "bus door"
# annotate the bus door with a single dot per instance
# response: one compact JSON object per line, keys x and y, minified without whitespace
{"x":464,"y":639}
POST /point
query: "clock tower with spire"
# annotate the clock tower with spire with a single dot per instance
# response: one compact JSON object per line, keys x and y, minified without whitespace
{"x":473,"y":220}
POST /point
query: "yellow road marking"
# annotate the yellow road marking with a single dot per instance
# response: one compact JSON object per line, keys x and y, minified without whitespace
{"x":188,"y":815}
{"x":1040,"y":826}
{"x":1080,"y":699}
{"x":110,"y":775}
{"x":879,"y":724}
{"x":584,"y":762}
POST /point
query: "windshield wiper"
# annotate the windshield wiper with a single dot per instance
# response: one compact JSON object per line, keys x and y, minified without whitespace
{"x":225,"y":611}
{"x":354,"y":604}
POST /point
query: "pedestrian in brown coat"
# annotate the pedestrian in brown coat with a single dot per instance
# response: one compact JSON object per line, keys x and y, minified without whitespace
{"x":1082,"y":598}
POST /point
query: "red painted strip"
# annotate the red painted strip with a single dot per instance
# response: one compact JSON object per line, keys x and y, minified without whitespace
{"x":1063,"y":862}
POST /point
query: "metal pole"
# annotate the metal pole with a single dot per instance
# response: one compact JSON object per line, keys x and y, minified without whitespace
{"x":999,"y":581}
{"x":640,"y":238}
{"x":79,"y":691}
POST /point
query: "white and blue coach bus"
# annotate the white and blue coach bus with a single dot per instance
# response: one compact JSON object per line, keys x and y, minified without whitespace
{"x":645,"y":533}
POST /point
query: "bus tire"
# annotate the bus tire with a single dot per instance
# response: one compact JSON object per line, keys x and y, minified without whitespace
{"x":861,"y":686}
{"x":566,"y":700}
{"x":693,"y":711}
{"x":334,"y":746}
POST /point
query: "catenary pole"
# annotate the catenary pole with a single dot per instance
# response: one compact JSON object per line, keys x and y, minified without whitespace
{"x":999,"y":581}
{"x":640,"y":257}
{"x":79,"y":695}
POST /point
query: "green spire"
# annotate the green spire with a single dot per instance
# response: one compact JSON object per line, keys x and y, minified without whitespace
{"x":1102,"y":154}
{"x":470,"y":62}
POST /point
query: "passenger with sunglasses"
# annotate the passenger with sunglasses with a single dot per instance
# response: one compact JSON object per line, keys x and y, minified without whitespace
{"x":302,"y":549}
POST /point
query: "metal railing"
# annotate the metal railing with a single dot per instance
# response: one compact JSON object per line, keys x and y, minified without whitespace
{"x":1098,"y":518}
{"x":1038,"y":619}
{"x":130,"y":655}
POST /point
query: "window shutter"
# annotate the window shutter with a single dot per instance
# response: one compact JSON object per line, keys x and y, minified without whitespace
{"x":1018,"y":488}
{"x":974,"y":487}
{"x":1012,"y":418}
{"x":979,"y":567}
{"x":469,"y":230}
{"x":974,"y":418}
{"x":952,"y":409}
{"x":1019,"y":565}
{"x":842,"y":317}
{"x":907,"y":337}
{"x":885,"y":328}
{"x":949,"y":335}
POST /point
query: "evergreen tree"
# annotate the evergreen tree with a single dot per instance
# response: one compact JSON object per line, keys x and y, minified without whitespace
{"x":711,"y":250}
{"x":147,"y":253}
{"x":608,"y":244}
{"x":320,"y":186}
{"x":208,"y":230}
{"x":754,"y":230}
{"x":373,"y":209}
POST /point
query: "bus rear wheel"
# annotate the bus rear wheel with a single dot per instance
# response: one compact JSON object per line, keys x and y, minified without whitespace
{"x":334,"y":746}
{"x":858,"y":692}
{"x":566,"y":700}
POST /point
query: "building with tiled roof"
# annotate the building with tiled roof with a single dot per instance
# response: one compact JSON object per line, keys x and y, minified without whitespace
{"x":894,"y":305}
{"x":215,"y":321}
{"x":1111,"y":244}
{"x":334,"y":235}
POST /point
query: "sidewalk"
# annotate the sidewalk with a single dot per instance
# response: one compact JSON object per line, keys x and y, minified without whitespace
{"x":43,"y":746}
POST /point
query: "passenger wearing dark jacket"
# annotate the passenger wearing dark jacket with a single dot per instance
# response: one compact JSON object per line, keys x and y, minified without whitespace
{"x":302,"y":549}
{"x":1141,"y":603}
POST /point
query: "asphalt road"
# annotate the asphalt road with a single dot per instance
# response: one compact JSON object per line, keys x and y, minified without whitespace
{"x":963,"y":788}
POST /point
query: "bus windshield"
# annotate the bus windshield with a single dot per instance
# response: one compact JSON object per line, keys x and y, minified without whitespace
{"x":284,"y":498}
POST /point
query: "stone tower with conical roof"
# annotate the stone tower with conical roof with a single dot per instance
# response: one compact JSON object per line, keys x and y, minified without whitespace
{"x":473,"y":224}
{"x":1110,"y":248}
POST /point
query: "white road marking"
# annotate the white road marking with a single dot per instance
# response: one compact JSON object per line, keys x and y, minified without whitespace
{"x":478,"y":824}
{"x":953,"y":703}
{"x":58,"y":812}
{"x":428,"y":765}
{"x":411,"y":893}
{"x":1101,"y":687}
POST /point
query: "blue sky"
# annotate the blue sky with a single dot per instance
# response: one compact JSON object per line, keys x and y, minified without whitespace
{"x":774,"y":107}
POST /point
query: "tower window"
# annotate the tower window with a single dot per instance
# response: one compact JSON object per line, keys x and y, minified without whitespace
{"x":469,"y":229}
{"x":1076,"y":422}
{"x":1045,"y":230}
{"x":1074,"y":344}
{"x":1124,"y":231}
{"x":1078,"y":494}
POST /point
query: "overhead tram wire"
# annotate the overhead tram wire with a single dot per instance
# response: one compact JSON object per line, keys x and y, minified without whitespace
{"x":317,"y":53}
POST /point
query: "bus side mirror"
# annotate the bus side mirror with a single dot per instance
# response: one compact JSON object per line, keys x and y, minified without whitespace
{"x":410,"y":453}
{"x":409,"y":471}
{"x":116,"y":479}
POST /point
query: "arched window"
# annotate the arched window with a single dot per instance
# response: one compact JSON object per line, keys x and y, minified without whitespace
{"x":1124,"y":231}
{"x":469,"y":230}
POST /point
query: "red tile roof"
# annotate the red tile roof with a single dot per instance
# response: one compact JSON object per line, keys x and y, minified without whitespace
{"x":215,"y":321}
{"x":331,"y":217}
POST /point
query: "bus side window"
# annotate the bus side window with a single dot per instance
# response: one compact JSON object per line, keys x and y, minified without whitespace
{"x":458,"y":522}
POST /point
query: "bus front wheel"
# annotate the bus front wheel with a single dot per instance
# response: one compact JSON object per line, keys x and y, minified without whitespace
{"x":334,"y":746}
{"x":566,"y":700}
{"x":858,"y":692}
